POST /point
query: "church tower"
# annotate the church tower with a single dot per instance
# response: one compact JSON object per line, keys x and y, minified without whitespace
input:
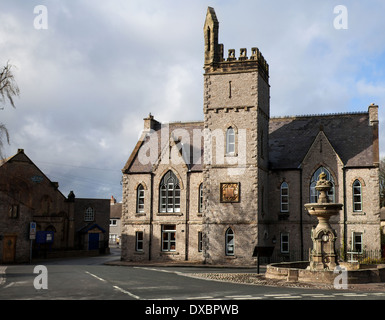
{"x":236,"y":128}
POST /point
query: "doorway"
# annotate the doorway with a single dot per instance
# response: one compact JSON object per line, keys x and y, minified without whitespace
{"x":9,"y":248}
{"x":93,"y":241}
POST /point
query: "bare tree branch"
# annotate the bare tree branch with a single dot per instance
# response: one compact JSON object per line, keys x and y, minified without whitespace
{"x":8,"y":90}
{"x":8,"y":85}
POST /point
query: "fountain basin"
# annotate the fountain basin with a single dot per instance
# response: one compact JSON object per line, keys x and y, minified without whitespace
{"x":299,"y":271}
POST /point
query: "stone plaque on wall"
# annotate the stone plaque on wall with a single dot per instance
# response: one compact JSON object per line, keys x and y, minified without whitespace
{"x":230,"y":192}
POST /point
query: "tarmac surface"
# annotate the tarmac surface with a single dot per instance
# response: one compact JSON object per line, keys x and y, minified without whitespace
{"x":251,"y":277}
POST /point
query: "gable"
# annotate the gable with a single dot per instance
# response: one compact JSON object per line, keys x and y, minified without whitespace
{"x":321,"y":151}
{"x":180,"y":142}
{"x":19,"y":173}
{"x":290,"y":138}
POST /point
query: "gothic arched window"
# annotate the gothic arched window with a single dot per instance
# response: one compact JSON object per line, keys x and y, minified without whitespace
{"x":313,"y":192}
{"x":89,"y":214}
{"x":200,"y":202}
{"x":229,"y":241}
{"x":140,"y":199}
{"x":357,"y":196}
{"x":230,"y":141}
{"x":169,"y":193}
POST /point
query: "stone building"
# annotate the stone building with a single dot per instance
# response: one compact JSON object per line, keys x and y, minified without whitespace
{"x":92,"y":223}
{"x":213,"y":190}
{"x":62,"y":223}
{"x":115,"y":222}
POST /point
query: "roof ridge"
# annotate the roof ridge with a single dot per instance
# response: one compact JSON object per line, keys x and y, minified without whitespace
{"x":183,"y":122}
{"x":320,"y":115}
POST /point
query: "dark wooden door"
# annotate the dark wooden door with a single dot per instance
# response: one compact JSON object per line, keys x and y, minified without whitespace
{"x":9,"y":248}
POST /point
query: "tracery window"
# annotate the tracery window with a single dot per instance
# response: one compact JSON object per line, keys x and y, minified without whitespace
{"x":169,"y":193}
{"x":313,"y":192}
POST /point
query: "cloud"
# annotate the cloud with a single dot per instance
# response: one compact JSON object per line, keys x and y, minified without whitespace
{"x":88,"y":81}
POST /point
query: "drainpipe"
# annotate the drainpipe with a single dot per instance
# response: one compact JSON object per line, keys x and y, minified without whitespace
{"x":151,"y":216}
{"x":345,"y":212}
{"x":187,"y":214}
{"x":301,"y":211}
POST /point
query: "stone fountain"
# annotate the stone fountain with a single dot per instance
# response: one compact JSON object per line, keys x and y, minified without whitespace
{"x":323,"y":260}
{"x":323,"y":255}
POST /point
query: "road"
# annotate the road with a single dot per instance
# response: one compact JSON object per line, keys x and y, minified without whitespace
{"x":89,"y":279}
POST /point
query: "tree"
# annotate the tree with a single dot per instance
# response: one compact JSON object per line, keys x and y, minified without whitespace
{"x":382,"y":182}
{"x":8,"y":90}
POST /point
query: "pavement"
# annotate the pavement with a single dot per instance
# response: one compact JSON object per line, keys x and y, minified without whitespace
{"x":175,"y":264}
{"x":251,"y":277}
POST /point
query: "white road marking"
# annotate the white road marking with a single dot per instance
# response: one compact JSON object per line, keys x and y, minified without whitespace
{"x":288,"y":297}
{"x":95,"y":276}
{"x":158,"y":270}
{"x":239,"y":296}
{"x":355,"y":295}
{"x":317,"y":295}
{"x":127,"y":292}
{"x":249,"y":298}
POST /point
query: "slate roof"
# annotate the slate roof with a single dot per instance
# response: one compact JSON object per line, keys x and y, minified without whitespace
{"x":116,"y":210}
{"x":350,"y":135}
{"x":187,"y":132}
{"x":289,"y":140}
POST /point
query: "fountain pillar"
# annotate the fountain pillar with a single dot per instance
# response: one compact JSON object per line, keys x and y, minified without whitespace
{"x":323,"y":255}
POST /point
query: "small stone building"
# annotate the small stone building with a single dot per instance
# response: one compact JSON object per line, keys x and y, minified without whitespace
{"x":61,"y":223}
{"x":212,"y":191}
{"x":92,"y":224}
{"x":115,"y":222}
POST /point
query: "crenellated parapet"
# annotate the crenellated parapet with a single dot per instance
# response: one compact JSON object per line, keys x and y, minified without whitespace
{"x":241,"y":63}
{"x":214,"y":53}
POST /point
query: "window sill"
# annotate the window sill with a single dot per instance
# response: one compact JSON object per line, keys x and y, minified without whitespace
{"x":169,"y":253}
{"x":140,"y":214}
{"x":169,"y":214}
{"x":139,"y":253}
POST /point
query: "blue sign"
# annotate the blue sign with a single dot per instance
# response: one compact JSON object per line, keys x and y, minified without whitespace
{"x":44,"y":236}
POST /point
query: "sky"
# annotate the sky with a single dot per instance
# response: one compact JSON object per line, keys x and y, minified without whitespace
{"x":89,"y":72}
